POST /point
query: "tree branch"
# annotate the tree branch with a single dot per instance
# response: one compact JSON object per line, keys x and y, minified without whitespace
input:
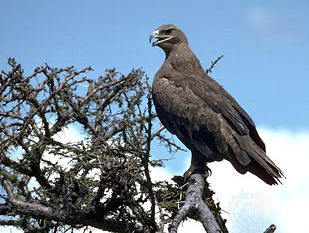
{"x":102,"y":180}
{"x":39,"y":211}
{"x":270,"y":229}
{"x":194,"y":201}
{"x":213,"y":63}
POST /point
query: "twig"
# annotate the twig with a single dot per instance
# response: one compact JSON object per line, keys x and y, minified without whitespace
{"x":155,"y":134}
{"x":270,"y":229}
{"x":213,"y":63}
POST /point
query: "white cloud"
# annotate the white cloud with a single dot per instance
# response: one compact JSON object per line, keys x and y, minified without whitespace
{"x":269,"y":24}
{"x":66,"y":135}
{"x":259,"y":16}
{"x":69,"y":135}
{"x":251,"y":204}
{"x":10,"y":230}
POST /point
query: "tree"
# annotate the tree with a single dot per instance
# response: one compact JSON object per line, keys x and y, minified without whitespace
{"x":104,"y":179}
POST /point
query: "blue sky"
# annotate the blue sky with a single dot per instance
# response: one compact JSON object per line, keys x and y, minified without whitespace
{"x":265,"y":64}
{"x":265,"y":44}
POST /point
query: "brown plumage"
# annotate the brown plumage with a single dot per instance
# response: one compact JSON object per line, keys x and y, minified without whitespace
{"x":204,"y":116}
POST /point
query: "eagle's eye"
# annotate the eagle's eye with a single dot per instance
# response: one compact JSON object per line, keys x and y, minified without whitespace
{"x":168,"y":31}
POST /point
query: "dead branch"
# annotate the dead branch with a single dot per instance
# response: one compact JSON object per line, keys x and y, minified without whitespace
{"x":270,"y":229}
{"x":194,"y":202}
{"x":213,"y":64}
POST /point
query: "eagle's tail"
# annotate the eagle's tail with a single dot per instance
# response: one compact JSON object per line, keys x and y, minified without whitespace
{"x":264,"y":167}
{"x":259,"y":164}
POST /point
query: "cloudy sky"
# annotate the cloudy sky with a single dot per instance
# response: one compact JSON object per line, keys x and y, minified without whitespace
{"x":265,"y":67}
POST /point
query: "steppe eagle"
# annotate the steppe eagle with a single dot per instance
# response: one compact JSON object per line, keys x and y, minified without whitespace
{"x":202,"y":114}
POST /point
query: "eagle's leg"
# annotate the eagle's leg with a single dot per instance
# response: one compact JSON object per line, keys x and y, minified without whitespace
{"x":198,"y":165}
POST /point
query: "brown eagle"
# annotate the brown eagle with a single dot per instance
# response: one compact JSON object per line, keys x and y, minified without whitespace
{"x":204,"y":116}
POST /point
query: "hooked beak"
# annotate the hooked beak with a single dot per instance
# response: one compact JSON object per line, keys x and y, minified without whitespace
{"x":160,"y":38}
{"x":150,"y":40}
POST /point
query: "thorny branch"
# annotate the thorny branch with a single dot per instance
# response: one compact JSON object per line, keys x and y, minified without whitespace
{"x":99,"y":176}
{"x":76,"y":152}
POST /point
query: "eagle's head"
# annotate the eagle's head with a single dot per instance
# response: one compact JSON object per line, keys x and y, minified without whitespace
{"x":167,"y":37}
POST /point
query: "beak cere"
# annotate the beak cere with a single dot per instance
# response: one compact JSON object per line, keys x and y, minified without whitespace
{"x":155,"y":33}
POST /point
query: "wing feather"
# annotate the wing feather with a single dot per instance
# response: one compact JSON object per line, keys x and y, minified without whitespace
{"x":191,"y":119}
{"x":222,"y":102}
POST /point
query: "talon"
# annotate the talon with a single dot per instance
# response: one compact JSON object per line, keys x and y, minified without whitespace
{"x":193,"y":169}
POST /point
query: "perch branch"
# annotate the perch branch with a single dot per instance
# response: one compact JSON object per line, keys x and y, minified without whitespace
{"x":194,"y":201}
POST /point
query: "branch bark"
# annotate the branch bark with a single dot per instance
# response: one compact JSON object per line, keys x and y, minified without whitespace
{"x":39,"y":211}
{"x":194,"y":201}
{"x":270,"y":229}
{"x":213,"y":63}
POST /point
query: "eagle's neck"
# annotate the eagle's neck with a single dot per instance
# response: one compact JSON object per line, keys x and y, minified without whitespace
{"x":182,"y":59}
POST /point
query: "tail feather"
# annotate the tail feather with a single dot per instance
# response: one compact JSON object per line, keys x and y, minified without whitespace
{"x":266,"y":173}
{"x":261,"y":166}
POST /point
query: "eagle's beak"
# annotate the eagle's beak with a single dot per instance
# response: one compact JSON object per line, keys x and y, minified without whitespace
{"x":160,"y":38}
{"x":155,"y":34}
{"x":150,"y":39}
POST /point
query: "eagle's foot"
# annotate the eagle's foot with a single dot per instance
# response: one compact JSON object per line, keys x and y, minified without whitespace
{"x":203,"y":170}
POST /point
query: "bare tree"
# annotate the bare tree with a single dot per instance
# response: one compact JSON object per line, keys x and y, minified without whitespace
{"x":102,"y":180}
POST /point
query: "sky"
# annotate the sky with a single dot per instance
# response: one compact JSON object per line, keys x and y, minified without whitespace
{"x":265,"y":67}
